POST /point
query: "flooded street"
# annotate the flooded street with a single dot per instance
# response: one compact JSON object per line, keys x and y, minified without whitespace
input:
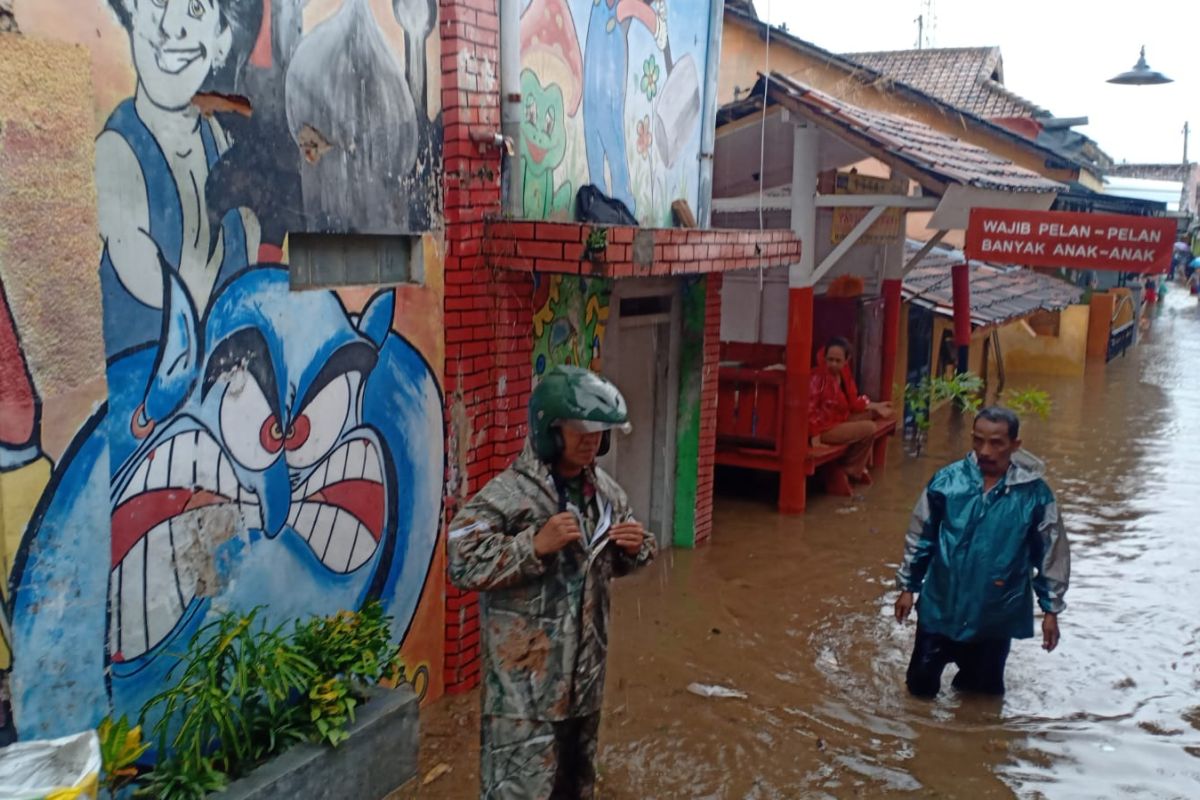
{"x":796,"y":613}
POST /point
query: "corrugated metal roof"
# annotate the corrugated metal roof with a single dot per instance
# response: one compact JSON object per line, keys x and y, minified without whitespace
{"x":998,"y":293}
{"x":918,"y":147}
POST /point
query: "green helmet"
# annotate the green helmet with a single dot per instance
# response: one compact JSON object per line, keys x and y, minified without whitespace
{"x":578,"y":396}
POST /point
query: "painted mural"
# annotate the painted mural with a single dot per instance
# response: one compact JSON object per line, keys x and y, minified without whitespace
{"x":257,"y":445}
{"x":569,"y":318}
{"x":612,"y":97}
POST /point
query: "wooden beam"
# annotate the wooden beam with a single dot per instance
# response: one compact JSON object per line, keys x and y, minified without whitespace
{"x":844,"y":245}
{"x":871,"y":200}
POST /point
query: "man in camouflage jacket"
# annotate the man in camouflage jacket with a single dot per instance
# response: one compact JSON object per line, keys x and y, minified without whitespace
{"x":540,"y":543}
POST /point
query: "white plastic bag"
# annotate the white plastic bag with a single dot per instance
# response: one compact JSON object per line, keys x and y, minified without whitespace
{"x":53,"y":769}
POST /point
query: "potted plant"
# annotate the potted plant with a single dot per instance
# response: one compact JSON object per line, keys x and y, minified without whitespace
{"x":266,"y":713}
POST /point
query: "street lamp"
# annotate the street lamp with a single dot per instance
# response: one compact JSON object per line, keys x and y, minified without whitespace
{"x":1140,"y":75}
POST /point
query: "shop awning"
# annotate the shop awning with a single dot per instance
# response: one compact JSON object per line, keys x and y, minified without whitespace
{"x":999,"y":293}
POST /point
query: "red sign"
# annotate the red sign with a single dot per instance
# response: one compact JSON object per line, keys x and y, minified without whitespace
{"x":1068,"y":239}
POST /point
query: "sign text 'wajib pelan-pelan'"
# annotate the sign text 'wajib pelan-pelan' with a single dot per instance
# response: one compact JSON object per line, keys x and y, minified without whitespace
{"x":1068,"y":239}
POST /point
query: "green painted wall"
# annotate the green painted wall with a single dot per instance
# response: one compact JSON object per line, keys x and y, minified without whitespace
{"x":687,"y":441}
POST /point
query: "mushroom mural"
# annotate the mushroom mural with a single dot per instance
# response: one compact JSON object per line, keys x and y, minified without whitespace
{"x":552,"y":89}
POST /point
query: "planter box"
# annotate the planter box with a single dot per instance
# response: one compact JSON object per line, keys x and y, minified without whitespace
{"x":379,"y":757}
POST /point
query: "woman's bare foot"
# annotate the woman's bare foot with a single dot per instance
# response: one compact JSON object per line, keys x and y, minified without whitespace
{"x":864,"y":478}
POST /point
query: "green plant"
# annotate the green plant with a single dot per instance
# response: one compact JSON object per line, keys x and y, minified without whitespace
{"x":246,"y":692}
{"x":351,"y":650}
{"x":597,"y":241}
{"x":963,"y":389}
{"x":1029,"y":401}
{"x":120,"y":748}
{"x":355,"y":645}
{"x":331,"y":708}
{"x":234,"y":703}
{"x":183,"y":779}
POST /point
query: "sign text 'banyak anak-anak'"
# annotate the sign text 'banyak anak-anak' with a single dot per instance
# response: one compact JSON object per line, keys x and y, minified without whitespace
{"x":1067,"y":239}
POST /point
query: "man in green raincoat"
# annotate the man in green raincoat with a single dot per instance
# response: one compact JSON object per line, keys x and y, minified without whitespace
{"x":985,"y":537}
{"x":541,"y":542}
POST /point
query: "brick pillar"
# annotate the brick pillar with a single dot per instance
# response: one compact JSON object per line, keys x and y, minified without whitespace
{"x":708,"y":407}
{"x":480,"y":344}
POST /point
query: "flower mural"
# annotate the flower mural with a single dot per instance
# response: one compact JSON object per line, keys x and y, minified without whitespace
{"x":644,"y":137}
{"x":650,"y":73}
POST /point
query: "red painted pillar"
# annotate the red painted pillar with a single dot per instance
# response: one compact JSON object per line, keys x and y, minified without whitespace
{"x":793,"y":474}
{"x":961,"y":282}
{"x":891,"y":337}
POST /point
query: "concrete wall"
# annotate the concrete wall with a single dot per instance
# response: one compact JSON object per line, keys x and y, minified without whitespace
{"x":1064,"y":354}
{"x":255,"y":445}
{"x":613,"y":97}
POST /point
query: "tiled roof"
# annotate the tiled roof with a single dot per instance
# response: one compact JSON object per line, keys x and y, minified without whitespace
{"x":919,"y":149}
{"x":872,"y":77}
{"x":998,"y":293}
{"x":971,"y":78}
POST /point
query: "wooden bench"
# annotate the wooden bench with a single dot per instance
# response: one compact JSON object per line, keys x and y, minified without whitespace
{"x":750,"y":411}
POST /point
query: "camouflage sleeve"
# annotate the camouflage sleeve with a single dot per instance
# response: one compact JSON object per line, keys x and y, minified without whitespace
{"x":484,"y":553}
{"x":623,"y":562}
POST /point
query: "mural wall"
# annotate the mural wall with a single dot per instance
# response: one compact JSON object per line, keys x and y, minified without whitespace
{"x":569,"y":318}
{"x":256,"y":445}
{"x":612,"y":97}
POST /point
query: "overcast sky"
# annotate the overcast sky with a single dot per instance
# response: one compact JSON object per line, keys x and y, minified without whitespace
{"x":1057,"y":54}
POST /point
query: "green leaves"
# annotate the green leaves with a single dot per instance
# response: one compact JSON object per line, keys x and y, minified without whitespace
{"x":120,"y":748}
{"x":245,"y":693}
{"x":966,"y":391}
{"x":1029,"y":401}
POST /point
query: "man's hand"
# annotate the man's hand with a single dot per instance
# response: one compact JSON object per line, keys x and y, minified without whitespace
{"x":904,"y":606}
{"x":1050,"y":634}
{"x":558,"y":532}
{"x":628,"y":536}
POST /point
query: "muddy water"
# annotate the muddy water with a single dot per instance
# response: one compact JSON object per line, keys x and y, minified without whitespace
{"x":795,"y":612}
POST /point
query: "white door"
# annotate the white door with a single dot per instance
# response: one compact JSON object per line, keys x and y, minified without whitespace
{"x":641,"y":356}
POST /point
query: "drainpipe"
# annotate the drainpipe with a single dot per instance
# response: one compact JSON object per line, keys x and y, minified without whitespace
{"x":708,"y":119}
{"x":511,"y":174}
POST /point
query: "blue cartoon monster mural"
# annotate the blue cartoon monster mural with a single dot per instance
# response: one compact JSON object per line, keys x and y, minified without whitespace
{"x":273,"y":450}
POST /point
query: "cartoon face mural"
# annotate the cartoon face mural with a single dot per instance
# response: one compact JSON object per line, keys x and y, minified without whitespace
{"x":631,"y":66}
{"x":176,"y":44}
{"x":257,"y":446}
{"x":274,"y":452}
{"x":543,"y":145}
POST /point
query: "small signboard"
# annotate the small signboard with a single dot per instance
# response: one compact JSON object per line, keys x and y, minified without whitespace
{"x":887,"y":227}
{"x":1069,"y":239}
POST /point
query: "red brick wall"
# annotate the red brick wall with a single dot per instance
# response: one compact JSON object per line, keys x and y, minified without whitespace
{"x":560,"y":247}
{"x":488,"y":313}
{"x":708,"y":408}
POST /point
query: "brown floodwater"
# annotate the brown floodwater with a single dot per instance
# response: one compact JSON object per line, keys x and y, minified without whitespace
{"x":796,"y":613}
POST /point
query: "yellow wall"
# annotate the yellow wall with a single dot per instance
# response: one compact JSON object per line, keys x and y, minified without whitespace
{"x":1065,"y":354}
{"x":742,"y":58}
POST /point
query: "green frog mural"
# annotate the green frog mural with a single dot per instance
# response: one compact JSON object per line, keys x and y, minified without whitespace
{"x":543,"y":146}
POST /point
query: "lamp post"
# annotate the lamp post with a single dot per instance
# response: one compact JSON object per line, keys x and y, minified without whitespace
{"x":1141,"y":74}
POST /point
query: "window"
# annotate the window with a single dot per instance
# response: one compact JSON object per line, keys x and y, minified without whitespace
{"x":321,"y":260}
